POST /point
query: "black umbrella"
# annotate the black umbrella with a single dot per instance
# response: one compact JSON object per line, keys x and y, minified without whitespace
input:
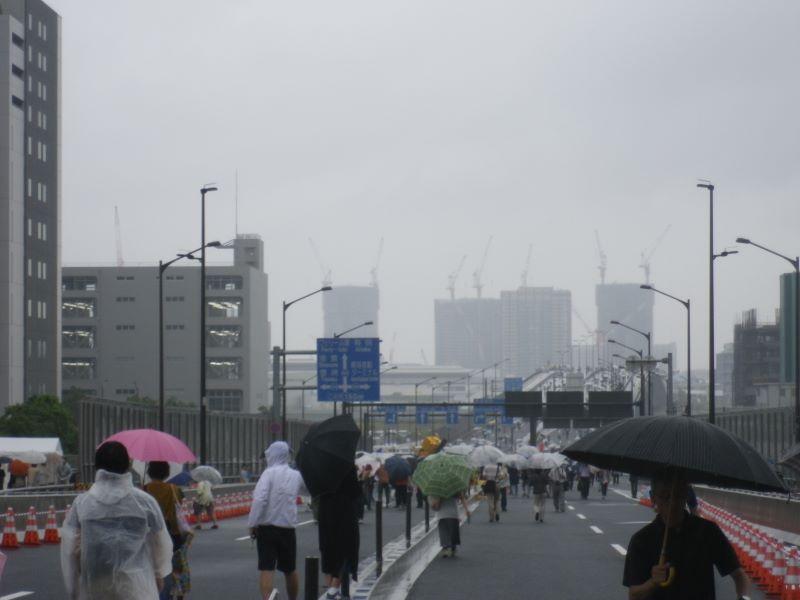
{"x":703,"y":452}
{"x":327,"y":453}
{"x":791,"y":459}
{"x":398,"y":468}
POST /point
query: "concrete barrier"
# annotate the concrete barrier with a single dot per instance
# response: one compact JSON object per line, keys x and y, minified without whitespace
{"x":776,"y":512}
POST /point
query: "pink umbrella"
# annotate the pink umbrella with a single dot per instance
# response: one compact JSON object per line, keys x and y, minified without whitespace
{"x":150,"y":445}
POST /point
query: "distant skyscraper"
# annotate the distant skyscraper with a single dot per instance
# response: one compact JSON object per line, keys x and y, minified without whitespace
{"x":30,"y":197}
{"x":468,"y":332}
{"x":628,"y":304}
{"x":537,"y":328}
{"x":346,"y":306}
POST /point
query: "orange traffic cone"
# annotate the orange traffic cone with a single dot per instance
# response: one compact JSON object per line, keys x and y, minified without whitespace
{"x":10,"y":531}
{"x":51,"y":535}
{"x":31,"y":530}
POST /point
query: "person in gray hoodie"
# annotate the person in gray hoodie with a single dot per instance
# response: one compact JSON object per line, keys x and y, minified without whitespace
{"x":273,"y":518}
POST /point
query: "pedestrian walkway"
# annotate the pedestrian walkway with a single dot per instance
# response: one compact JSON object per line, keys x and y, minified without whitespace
{"x":575,"y":554}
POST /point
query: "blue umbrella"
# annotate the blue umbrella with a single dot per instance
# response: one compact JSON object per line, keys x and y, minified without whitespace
{"x":182,"y":479}
{"x":398,"y":468}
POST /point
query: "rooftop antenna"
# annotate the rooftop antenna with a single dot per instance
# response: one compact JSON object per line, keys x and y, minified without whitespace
{"x":451,"y":279}
{"x":524,"y":279}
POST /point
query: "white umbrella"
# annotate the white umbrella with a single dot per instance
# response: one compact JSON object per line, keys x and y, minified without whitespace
{"x":485,"y":455}
{"x":518,"y":461}
{"x":546,"y":460}
{"x":527,"y":451}
{"x":206,"y":473}
{"x":458,"y":449}
{"x":368,"y":459}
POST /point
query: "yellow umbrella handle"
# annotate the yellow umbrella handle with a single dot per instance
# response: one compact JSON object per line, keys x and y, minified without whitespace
{"x":663,"y":558}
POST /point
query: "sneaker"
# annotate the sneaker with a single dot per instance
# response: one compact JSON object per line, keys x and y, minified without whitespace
{"x":497,"y":518}
{"x":445,"y":552}
{"x":333,"y":595}
{"x":536,"y":517}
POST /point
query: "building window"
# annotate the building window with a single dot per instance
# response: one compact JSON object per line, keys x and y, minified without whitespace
{"x":18,"y":102}
{"x":30,"y":153}
{"x":81,"y":283}
{"x":30,"y":22}
{"x":78,"y":308}
{"x":224,"y":282}
{"x":224,"y":368}
{"x":126,"y":299}
{"x":44,"y":232}
{"x":30,"y":308}
{"x":44,"y":122}
{"x":30,"y":186}
{"x":124,"y":278}
{"x":126,"y":327}
{"x":17,"y":41}
{"x":44,"y":63}
{"x":30,"y":267}
{"x":220,"y":336}
{"x":175,"y":277}
{"x":175,"y":327}
{"x":225,"y":308}
{"x":78,"y":337}
{"x":44,"y":152}
{"x":30,"y":84}
{"x":15,"y":70}
{"x":127,"y":392}
{"x":175,"y":298}
{"x":225,"y":400}
{"x":44,"y":31}
{"x":78,"y":368}
{"x":29,"y":347}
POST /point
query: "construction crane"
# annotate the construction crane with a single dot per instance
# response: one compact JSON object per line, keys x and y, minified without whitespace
{"x":118,"y":233}
{"x":477,"y":275}
{"x":453,"y":277}
{"x":524,"y":279}
{"x":326,"y":272}
{"x":602,"y":255}
{"x":648,"y":254}
{"x":589,"y":330}
{"x":374,"y":270}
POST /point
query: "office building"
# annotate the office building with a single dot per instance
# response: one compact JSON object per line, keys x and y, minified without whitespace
{"x":724,"y":377}
{"x":110,"y":331}
{"x":756,"y":358}
{"x":468,"y":332}
{"x":537,"y":329}
{"x":30,"y":197}
{"x":346,"y":306}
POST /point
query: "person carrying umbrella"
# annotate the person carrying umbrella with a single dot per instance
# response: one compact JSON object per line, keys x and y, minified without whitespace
{"x":273,"y":518}
{"x":694,"y":548}
{"x":674,"y":556}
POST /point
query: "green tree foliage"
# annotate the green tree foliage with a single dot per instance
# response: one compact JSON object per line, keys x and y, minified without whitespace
{"x":41,"y":416}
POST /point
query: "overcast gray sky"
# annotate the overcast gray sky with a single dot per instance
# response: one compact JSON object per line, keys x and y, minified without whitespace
{"x":435,"y":124}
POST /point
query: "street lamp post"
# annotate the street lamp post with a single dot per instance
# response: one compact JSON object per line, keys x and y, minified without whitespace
{"x":648,"y":336}
{"x":286,"y":306}
{"x":203,"y":191}
{"x":687,"y":306}
{"x":364,"y":324}
{"x":711,"y":374}
{"x":162,"y":266}
{"x":624,"y":360}
{"x":641,"y":371}
{"x":795,"y":262}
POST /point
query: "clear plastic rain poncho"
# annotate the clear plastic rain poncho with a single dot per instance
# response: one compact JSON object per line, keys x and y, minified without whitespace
{"x":114,"y":542}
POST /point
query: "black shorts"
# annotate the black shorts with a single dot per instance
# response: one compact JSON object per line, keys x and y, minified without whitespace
{"x":276,"y":545}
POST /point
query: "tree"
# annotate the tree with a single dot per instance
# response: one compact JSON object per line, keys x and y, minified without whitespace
{"x":41,"y":416}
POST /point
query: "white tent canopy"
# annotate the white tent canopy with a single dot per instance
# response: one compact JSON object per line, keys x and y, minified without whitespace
{"x":28,"y":449}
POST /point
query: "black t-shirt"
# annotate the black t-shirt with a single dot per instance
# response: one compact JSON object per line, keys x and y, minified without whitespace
{"x":694,"y":549}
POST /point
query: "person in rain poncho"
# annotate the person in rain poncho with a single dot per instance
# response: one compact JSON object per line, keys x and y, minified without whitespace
{"x":115,"y":545}
{"x":273,"y":518}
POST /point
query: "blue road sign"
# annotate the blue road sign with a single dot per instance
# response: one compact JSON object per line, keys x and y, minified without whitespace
{"x":390,"y":417}
{"x":512,"y":384}
{"x":452,"y":415}
{"x":480,"y":410}
{"x":422,"y":415}
{"x":348,"y":370}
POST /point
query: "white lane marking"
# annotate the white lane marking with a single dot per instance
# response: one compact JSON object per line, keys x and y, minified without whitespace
{"x":625,"y":495}
{"x":634,"y":522}
{"x":595,"y":528}
{"x":580,"y":516}
{"x":16,"y":595}
{"x":247,"y":537}
{"x":305,"y":523}
{"x":619,"y":549}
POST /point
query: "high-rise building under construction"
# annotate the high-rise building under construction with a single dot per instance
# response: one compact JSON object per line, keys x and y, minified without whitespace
{"x":468,"y":332}
{"x":628,"y":304}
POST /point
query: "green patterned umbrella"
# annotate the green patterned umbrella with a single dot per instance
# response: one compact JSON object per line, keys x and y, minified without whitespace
{"x":442,"y":475}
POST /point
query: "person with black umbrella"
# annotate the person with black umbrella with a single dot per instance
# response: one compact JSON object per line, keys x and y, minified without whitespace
{"x":693,"y":548}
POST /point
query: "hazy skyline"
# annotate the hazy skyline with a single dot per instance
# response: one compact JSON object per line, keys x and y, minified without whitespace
{"x":434,"y":125}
